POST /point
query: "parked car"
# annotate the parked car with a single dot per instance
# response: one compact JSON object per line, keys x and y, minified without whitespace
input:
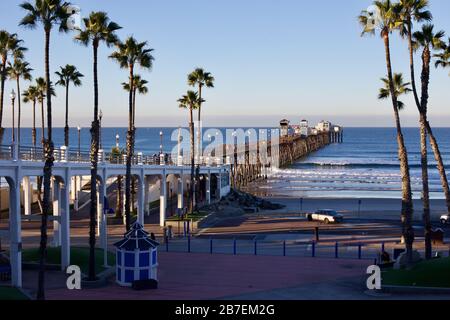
{"x":445,"y":219}
{"x":326,"y":216}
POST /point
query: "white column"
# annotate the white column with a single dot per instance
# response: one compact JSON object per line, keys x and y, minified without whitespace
{"x":56,"y":214}
{"x":140,"y":199}
{"x":65,"y":227}
{"x":181,"y":192}
{"x":219,"y":185}
{"x":208,"y":188}
{"x":101,"y":217}
{"x":146,"y":195}
{"x":15,"y":235}
{"x":75,"y":194}
{"x":27,"y":195}
{"x":162,"y":200}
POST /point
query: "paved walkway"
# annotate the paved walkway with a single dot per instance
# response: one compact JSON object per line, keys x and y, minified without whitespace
{"x":202,"y":276}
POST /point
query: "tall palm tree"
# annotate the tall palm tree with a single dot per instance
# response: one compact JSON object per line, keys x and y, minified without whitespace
{"x":191,"y":102}
{"x":68,"y":74}
{"x":428,"y":39}
{"x":201,"y":79}
{"x":131,"y":54}
{"x":140,"y":86}
{"x":17,"y":70}
{"x":416,"y":10}
{"x":10,"y":45}
{"x":97,"y":29}
{"x":48,"y":13}
{"x":32,"y":95}
{"x":41,"y":86}
{"x":388,"y":21}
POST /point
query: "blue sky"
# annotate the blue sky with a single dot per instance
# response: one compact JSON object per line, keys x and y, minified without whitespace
{"x":271,"y":59}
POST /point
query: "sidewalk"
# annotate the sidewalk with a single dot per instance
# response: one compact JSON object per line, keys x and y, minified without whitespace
{"x":202,"y":276}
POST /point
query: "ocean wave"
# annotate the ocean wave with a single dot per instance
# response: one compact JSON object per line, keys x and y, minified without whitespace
{"x":375,"y":165}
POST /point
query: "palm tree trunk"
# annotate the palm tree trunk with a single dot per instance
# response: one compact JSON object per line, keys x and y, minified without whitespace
{"x":42,"y":123}
{"x":440,"y":165}
{"x":94,"y":161}
{"x":119,"y":198}
{"x":48,"y":151}
{"x":33,"y":130}
{"x":2,"y":95}
{"x":66,"y":128}
{"x":192,"y":189}
{"x":129,"y":152}
{"x":199,"y":151}
{"x":19,"y":110}
{"x":411,"y":64}
{"x":133,"y":179}
{"x":407,"y":205}
{"x":425,"y":187}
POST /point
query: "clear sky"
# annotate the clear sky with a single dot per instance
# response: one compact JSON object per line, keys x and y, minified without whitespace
{"x":270,"y":58}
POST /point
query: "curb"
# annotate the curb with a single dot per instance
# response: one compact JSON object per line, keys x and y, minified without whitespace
{"x":102,"y":279}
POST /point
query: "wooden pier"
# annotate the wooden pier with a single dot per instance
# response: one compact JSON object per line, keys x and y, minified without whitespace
{"x":254,"y":164}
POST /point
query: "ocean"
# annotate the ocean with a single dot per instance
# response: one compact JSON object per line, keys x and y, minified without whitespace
{"x":364,"y":166}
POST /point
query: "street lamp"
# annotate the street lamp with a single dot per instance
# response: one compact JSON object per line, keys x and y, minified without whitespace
{"x":100,"y":115}
{"x":117,"y":141}
{"x":161,"y":144}
{"x":13,"y":99}
{"x":79,"y":142}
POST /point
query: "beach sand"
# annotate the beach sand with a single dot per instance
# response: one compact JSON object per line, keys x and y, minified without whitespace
{"x":371,"y":209}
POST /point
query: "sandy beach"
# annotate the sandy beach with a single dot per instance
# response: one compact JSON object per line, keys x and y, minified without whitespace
{"x":372,"y":209}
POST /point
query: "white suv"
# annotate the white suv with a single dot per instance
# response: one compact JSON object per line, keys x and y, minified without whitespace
{"x":445,"y":219}
{"x":327,"y":216}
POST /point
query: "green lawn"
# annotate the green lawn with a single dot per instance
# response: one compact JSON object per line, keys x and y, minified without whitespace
{"x":433,"y":273}
{"x":7,"y":293}
{"x":78,"y":256}
{"x":194,"y":217}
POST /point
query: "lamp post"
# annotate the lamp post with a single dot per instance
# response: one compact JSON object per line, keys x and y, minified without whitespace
{"x":79,"y":142}
{"x":161,"y":142}
{"x":100,"y":116}
{"x":13,"y":99}
{"x":117,"y":141}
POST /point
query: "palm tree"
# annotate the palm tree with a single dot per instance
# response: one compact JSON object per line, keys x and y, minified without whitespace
{"x":49,"y":13}
{"x":400,"y":88}
{"x":191,"y":102}
{"x":140,"y":86}
{"x":443,"y":57}
{"x":31,"y":95}
{"x":10,"y":45}
{"x":17,"y":70}
{"x":415,"y":10}
{"x":130,"y":54}
{"x":201,"y":79}
{"x":41,"y":87}
{"x":68,"y":74}
{"x":387,"y":21}
{"x":97,"y":29}
{"x":428,"y":39}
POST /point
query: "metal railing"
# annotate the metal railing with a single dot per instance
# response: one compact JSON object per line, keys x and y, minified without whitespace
{"x":64,"y":154}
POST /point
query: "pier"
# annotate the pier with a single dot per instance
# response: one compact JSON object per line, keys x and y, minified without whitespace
{"x":252,"y":162}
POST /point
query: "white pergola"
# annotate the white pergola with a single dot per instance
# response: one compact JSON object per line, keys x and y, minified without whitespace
{"x":17,"y":169}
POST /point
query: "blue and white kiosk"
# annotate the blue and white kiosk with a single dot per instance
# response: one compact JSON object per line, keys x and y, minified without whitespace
{"x":136,"y":257}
